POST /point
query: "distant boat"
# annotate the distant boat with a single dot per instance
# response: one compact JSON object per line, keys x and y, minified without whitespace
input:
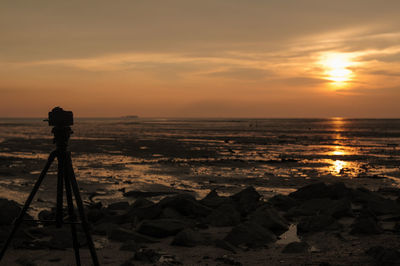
{"x":131,"y":117}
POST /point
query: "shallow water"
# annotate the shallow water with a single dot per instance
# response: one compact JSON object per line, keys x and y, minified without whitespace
{"x":196,"y":155}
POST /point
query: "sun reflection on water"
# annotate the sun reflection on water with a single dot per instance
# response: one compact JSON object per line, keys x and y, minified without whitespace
{"x":339,"y":166}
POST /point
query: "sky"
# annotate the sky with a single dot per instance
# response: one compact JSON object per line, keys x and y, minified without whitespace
{"x":209,"y":58}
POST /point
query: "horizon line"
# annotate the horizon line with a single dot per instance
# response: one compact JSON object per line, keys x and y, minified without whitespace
{"x":198,"y":117}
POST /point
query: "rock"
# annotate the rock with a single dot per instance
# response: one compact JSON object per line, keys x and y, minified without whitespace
{"x":94,"y":215}
{"x":122,"y":205}
{"x":270,"y":219}
{"x":167,"y":259}
{"x":10,"y":210}
{"x":161,"y":227}
{"x":130,"y":245}
{"x":384,"y":256}
{"x":365,"y":226}
{"x":250,"y":234}
{"x":123,"y":235}
{"x":283,"y":203}
{"x":46,"y":215}
{"x":226,"y":260}
{"x":104,"y":228}
{"x":186,"y":205}
{"x":375,"y":202}
{"x":213,"y":200}
{"x":147,"y":255}
{"x":317,"y":223}
{"x":326,"y":206}
{"x":246,"y":200}
{"x":128,"y":263}
{"x":321,"y":190}
{"x":25,"y":262}
{"x":338,"y":191}
{"x":142,"y":202}
{"x":296,"y":247}
{"x":224,"y":215}
{"x":171,"y":213}
{"x":187,"y":238}
{"x":219,"y":243}
{"x":141,"y":211}
{"x":317,"y":190}
{"x":146,"y":194}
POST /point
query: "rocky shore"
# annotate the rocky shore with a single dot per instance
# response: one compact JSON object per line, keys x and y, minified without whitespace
{"x":318,"y":224}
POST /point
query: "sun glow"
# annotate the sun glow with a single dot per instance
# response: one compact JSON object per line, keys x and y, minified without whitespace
{"x":336,"y":66}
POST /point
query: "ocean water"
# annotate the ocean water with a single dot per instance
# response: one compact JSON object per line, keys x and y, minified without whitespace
{"x":196,"y":155}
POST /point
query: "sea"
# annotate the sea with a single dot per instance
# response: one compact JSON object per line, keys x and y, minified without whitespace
{"x":114,"y":155}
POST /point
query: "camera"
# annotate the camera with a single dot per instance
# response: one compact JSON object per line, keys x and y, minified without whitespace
{"x":59,"y":117}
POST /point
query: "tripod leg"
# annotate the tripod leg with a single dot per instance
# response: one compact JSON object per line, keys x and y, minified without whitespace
{"x":81,"y":210}
{"x":20,"y":218}
{"x":72,"y":216}
{"x":61,"y":155}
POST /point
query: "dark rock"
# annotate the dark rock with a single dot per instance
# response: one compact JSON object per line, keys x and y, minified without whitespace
{"x":213,"y":200}
{"x":21,"y":236}
{"x":59,"y":238}
{"x":250,"y":234}
{"x":10,"y":210}
{"x":224,"y":215}
{"x":326,"y":206}
{"x":171,"y":213}
{"x":94,"y":215}
{"x":219,"y":243}
{"x":142,"y":202}
{"x":186,"y":205}
{"x":365,"y":226}
{"x":317,"y":190}
{"x":246,"y":200}
{"x":321,"y":190}
{"x":122,"y":205}
{"x":228,"y":261}
{"x":324,"y":264}
{"x":123,"y":235}
{"x":128,"y":263}
{"x":104,"y":228}
{"x":147,"y":255}
{"x":161,"y":227}
{"x":95,"y":205}
{"x":142,"y":211}
{"x":46,"y":215}
{"x":187,"y":238}
{"x":317,"y":223}
{"x":270,"y":219}
{"x":338,"y":191}
{"x":282,"y":202}
{"x":296,"y":247}
{"x":375,"y":202}
{"x":146,"y":194}
{"x":384,"y":256}
{"x":25,"y":262}
{"x":130,"y":245}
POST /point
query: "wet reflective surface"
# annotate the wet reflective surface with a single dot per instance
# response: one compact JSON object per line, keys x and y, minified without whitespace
{"x":111,"y":156}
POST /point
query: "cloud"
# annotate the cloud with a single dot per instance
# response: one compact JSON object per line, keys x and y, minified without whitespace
{"x":242,"y":73}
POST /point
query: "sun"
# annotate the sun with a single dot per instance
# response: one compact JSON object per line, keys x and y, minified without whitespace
{"x":336,"y":67}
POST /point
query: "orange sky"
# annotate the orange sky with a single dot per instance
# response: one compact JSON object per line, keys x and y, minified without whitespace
{"x":201,"y":58}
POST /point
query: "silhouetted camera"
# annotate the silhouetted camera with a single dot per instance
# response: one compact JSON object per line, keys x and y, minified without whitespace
{"x":59,"y":117}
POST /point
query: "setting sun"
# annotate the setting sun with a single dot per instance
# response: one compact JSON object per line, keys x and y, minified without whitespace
{"x":336,"y":67}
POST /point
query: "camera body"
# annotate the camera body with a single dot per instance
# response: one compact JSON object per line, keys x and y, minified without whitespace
{"x":59,"y":117}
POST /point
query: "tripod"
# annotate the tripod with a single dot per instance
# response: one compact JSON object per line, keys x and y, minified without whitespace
{"x":65,"y":176}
